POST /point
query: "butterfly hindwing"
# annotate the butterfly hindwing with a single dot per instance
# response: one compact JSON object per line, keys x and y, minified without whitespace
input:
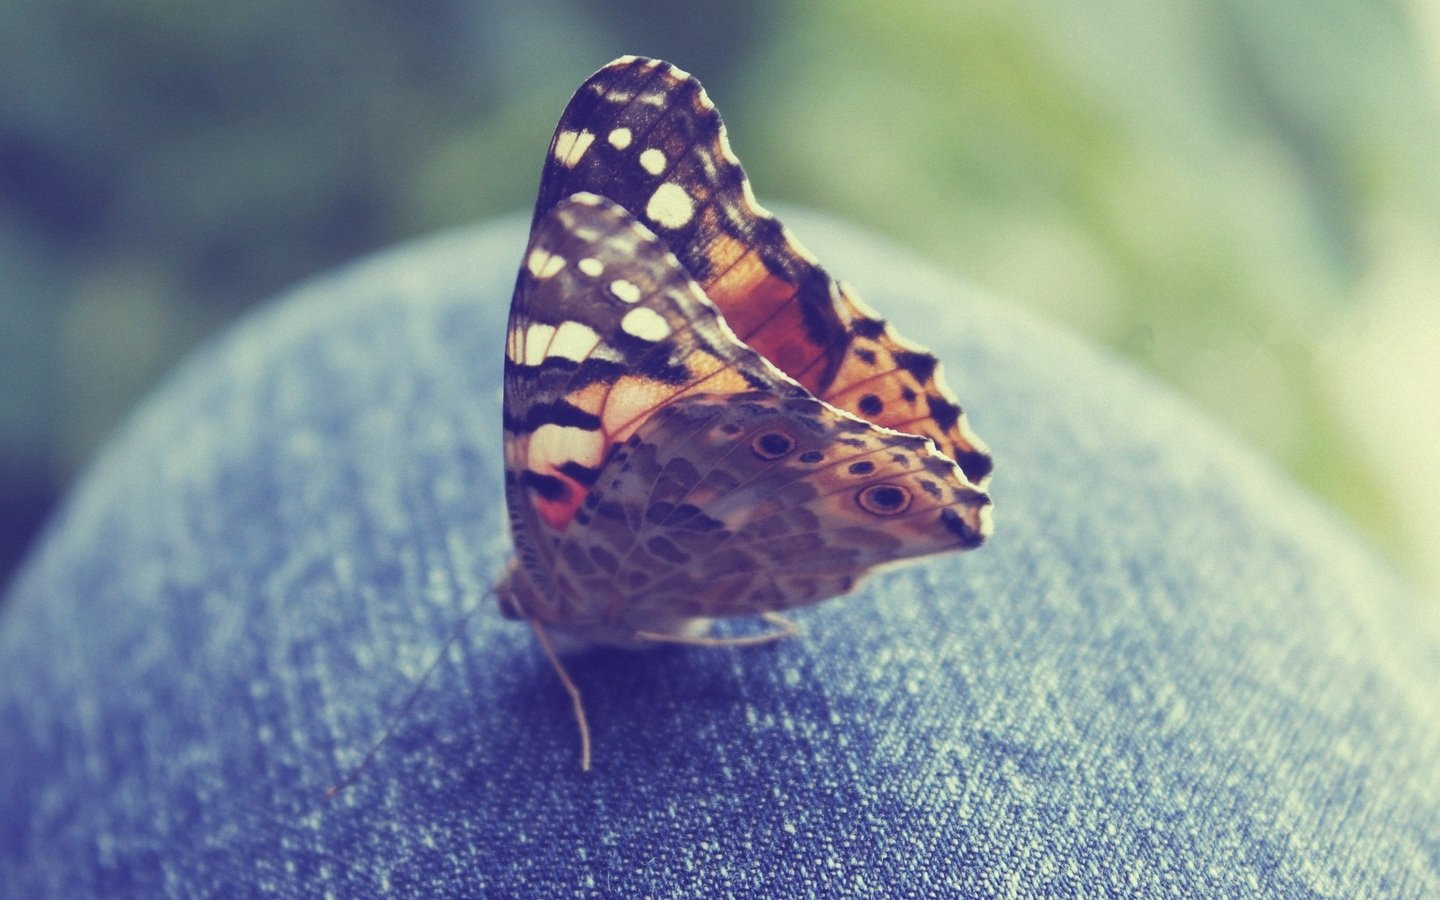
{"x":645,"y":134}
{"x":738,"y":504}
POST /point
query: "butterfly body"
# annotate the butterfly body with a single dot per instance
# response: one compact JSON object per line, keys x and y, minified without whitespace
{"x":699,"y":422}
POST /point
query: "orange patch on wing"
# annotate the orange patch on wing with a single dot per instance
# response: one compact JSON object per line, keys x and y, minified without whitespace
{"x":881,"y":379}
{"x":762,"y":310}
{"x":743,"y":288}
{"x":859,"y":387}
{"x":782,"y":343}
{"x":590,"y":398}
{"x":753,"y":305}
{"x":633,"y":399}
{"x":724,"y":381}
{"x":723,"y":251}
{"x":629,"y":402}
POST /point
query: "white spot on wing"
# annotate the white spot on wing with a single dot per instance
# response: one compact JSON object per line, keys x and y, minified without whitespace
{"x":573,"y":340}
{"x":841,"y":290}
{"x":607,"y":353}
{"x":799,"y":249}
{"x":645,"y":324}
{"x":619,"y":138}
{"x":544,"y":264}
{"x":905,"y":344}
{"x":938,"y":382}
{"x":748,"y":193}
{"x":707,"y":161}
{"x":571,"y":145}
{"x":653,"y":161}
{"x":624,"y":291}
{"x":591,"y":266}
{"x":537,"y":342}
{"x":725,"y":150}
{"x":670,"y":206}
{"x":551,"y":446}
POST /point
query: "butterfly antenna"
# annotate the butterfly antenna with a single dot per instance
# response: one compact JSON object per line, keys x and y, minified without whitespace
{"x":570,"y":689}
{"x":354,"y":774}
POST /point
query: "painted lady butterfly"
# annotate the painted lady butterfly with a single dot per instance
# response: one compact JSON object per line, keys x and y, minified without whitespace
{"x":699,"y":421}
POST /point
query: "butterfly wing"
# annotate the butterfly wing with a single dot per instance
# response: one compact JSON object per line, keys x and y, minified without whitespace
{"x":658,"y":469}
{"x":742,"y":503}
{"x":605,"y":328}
{"x":645,"y":134}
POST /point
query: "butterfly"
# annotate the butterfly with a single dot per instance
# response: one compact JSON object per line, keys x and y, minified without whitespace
{"x":699,"y":421}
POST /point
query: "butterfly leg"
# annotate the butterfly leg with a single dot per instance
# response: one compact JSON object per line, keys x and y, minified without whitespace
{"x":784,"y":628}
{"x":570,"y":689}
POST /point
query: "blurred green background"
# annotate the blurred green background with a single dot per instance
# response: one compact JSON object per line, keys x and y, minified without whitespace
{"x":1240,"y":196}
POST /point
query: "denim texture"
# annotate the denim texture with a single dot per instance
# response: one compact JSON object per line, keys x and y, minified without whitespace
{"x":1171,"y":672}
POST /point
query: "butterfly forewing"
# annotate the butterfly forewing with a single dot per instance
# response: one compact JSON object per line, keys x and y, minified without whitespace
{"x":645,"y":134}
{"x":605,"y":329}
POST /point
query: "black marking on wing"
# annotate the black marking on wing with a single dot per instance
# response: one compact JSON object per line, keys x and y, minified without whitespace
{"x":577,"y":374}
{"x":921,"y":365}
{"x":945,"y":413}
{"x":582,"y":474}
{"x":547,"y":486}
{"x":869,"y":328}
{"x":554,"y":412}
{"x":956,"y":524}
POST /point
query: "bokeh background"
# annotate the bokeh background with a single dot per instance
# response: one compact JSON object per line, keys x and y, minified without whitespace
{"x":1241,"y":197}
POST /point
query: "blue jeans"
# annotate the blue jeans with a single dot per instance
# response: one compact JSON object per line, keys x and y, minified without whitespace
{"x":1170,"y":671}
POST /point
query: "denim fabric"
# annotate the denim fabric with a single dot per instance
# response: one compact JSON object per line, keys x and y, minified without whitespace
{"x":1171,"y":671}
